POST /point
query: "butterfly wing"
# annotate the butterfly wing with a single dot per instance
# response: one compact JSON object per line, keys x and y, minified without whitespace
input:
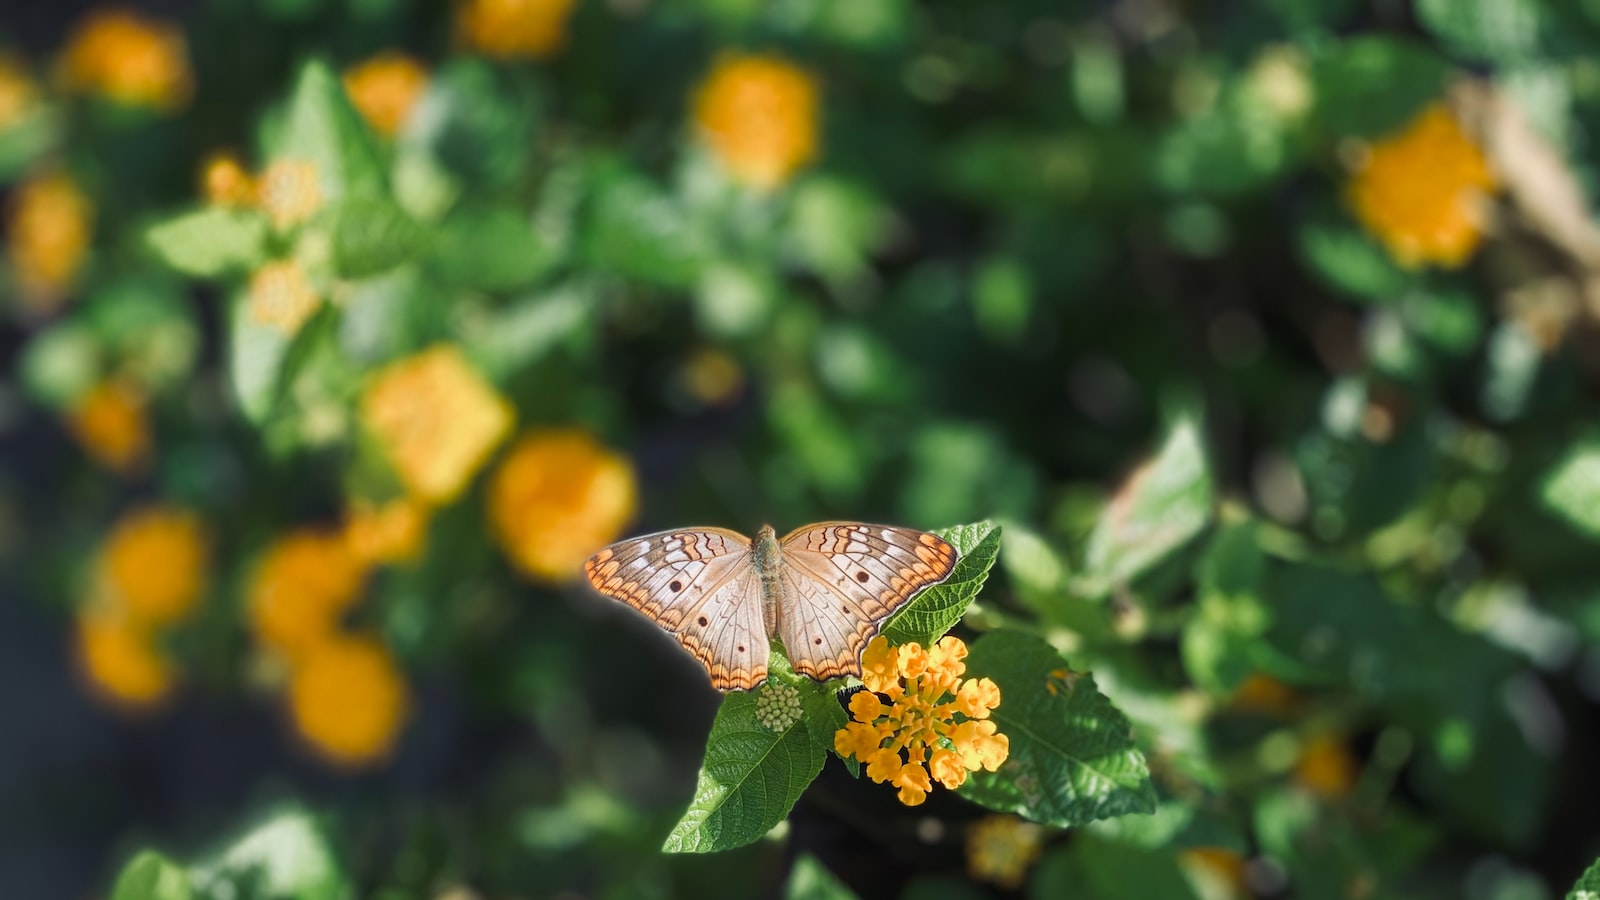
{"x":841,"y":580}
{"x":701,"y":587}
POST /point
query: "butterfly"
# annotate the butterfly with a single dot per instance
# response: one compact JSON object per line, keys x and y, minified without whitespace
{"x":824,"y":590}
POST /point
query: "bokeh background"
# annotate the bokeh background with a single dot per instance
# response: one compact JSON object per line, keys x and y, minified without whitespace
{"x":337,"y":333}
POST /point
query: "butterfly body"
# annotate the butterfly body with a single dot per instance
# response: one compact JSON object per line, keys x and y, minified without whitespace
{"x":823,"y":590}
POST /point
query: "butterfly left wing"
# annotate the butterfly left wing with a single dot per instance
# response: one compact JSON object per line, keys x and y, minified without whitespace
{"x":699,"y":585}
{"x":842,"y":580}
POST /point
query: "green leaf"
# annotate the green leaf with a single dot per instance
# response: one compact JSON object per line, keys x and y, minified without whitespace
{"x":255,"y":360}
{"x":825,"y":715}
{"x":1588,"y":886}
{"x":1571,"y":489}
{"x":1501,"y":31}
{"x":1350,"y":262}
{"x":1159,"y":509}
{"x":210,"y":242}
{"x":749,"y":780}
{"x":937,"y":609}
{"x":476,"y":123}
{"x":286,"y":855}
{"x":1221,"y":644}
{"x":1093,"y":866}
{"x":636,"y":230}
{"x":321,"y":127}
{"x":61,"y":364}
{"x":151,"y":876}
{"x":1073,"y":758}
{"x":488,"y":248}
{"x":371,"y":235}
{"x":810,"y":880}
{"x":1370,"y":86}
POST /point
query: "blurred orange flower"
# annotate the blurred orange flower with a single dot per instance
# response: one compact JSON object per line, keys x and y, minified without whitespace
{"x":225,"y":181}
{"x":18,"y":93}
{"x":129,"y":58}
{"x":557,"y":498}
{"x":940,"y":721}
{"x":758,"y":114}
{"x":153,"y":565}
{"x":121,"y":659}
{"x":1260,"y":693}
{"x":49,"y":228}
{"x":1424,"y":191}
{"x":1220,"y":870}
{"x":1326,"y":766}
{"x":348,"y":699}
{"x":1002,"y":849}
{"x":281,"y":296}
{"x":110,"y":424}
{"x":290,"y":192}
{"x":437,"y":419}
{"x":300,"y":588}
{"x":384,"y":90}
{"x":390,"y":532}
{"x":514,"y":29}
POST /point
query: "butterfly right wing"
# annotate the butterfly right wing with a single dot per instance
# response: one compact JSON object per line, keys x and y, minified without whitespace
{"x":701,"y":586}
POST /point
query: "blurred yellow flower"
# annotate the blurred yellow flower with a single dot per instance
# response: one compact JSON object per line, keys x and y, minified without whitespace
{"x":226,"y":182}
{"x":49,"y":228}
{"x":128,"y":58}
{"x":1424,"y":192}
{"x":300,"y":588}
{"x":758,"y":114}
{"x":1261,"y":693}
{"x":348,"y":699}
{"x":121,"y":659}
{"x":384,"y":90}
{"x":437,"y":419}
{"x":110,"y":424}
{"x":290,"y":192}
{"x":712,"y":378}
{"x":514,"y":29}
{"x":1001,"y":849}
{"x":1326,"y":766}
{"x":1220,"y":872}
{"x":281,"y":296}
{"x":153,"y":565}
{"x":18,"y":93}
{"x":391,"y":532}
{"x":940,"y":721}
{"x":557,"y":498}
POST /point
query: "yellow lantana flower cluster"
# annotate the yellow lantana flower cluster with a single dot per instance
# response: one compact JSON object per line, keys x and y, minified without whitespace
{"x":1001,"y":849}
{"x":385,"y":88}
{"x":48,"y":228}
{"x":514,"y":29}
{"x":346,"y":695}
{"x":149,"y":575}
{"x":939,"y":720}
{"x":1424,"y":192}
{"x":128,"y":58}
{"x":110,"y":423}
{"x":559,"y":496}
{"x":437,"y":419}
{"x":758,"y":114}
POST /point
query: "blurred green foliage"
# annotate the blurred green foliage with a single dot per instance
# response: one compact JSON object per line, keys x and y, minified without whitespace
{"x":1282,"y":547}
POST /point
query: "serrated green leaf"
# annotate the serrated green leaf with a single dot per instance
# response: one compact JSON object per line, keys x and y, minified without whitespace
{"x":371,"y":235}
{"x":1369,"y":86}
{"x":1588,"y":886}
{"x":825,"y":716}
{"x":151,"y":876}
{"x":810,"y":880}
{"x":937,"y":609}
{"x":749,"y":780}
{"x":210,"y":242}
{"x":1571,"y":489}
{"x":321,"y":127}
{"x":1073,"y":758}
{"x":1159,"y":509}
{"x":489,"y":249}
